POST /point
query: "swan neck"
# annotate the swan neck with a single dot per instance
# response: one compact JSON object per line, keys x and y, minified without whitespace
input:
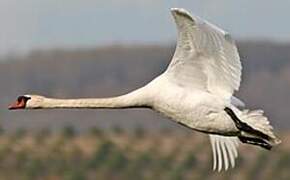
{"x":134,"y":99}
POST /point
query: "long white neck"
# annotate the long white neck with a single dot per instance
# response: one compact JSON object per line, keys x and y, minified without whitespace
{"x":136,"y":99}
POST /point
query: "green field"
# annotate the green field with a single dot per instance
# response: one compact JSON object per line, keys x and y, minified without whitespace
{"x":135,"y":155}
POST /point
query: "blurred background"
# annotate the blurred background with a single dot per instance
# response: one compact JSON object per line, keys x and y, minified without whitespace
{"x":101,"y":48}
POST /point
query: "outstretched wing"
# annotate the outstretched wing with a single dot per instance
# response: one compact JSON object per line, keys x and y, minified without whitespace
{"x":206,"y":57}
{"x":224,"y":150}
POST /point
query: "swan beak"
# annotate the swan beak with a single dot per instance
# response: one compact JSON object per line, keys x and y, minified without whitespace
{"x":19,"y":104}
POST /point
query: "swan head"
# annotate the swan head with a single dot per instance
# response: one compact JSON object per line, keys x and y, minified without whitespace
{"x":27,"y":102}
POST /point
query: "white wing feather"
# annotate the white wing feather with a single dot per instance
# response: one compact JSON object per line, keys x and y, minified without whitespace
{"x":206,"y":57}
{"x":224,"y":150}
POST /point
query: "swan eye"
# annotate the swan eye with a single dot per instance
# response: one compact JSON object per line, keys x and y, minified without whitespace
{"x":23,"y":99}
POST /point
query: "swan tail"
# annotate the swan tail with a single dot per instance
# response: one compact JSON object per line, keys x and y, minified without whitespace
{"x":259,"y":131}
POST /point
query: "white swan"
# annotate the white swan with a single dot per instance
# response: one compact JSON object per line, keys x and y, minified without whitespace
{"x":196,"y":91}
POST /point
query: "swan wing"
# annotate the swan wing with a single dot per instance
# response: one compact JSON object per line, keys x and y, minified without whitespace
{"x":205,"y":57}
{"x":224,"y":149}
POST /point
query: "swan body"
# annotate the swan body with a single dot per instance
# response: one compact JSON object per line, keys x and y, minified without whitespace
{"x":196,"y":90}
{"x":201,"y":111}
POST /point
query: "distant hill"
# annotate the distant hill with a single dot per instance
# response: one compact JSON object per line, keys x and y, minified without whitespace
{"x":115,"y":70}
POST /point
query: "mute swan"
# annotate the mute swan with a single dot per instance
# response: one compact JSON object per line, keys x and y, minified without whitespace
{"x":196,"y":91}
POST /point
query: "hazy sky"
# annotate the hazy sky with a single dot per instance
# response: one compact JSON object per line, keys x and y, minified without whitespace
{"x":38,"y":24}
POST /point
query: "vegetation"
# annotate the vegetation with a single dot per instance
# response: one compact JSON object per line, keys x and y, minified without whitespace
{"x":115,"y":155}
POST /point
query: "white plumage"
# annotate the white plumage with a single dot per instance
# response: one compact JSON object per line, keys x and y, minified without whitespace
{"x":207,"y":58}
{"x":224,"y":150}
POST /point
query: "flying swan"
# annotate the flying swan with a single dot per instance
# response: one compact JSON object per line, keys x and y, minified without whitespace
{"x":196,"y":90}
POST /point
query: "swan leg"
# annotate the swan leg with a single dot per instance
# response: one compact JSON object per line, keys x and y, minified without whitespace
{"x":255,"y":141}
{"x":244,"y":126}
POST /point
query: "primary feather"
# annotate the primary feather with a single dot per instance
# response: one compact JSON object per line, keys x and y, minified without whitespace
{"x":224,"y":151}
{"x":205,"y":57}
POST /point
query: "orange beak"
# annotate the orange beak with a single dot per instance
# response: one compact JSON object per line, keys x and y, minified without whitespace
{"x":17,"y":105}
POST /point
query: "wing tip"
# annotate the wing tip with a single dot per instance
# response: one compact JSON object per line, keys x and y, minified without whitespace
{"x":181,"y":12}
